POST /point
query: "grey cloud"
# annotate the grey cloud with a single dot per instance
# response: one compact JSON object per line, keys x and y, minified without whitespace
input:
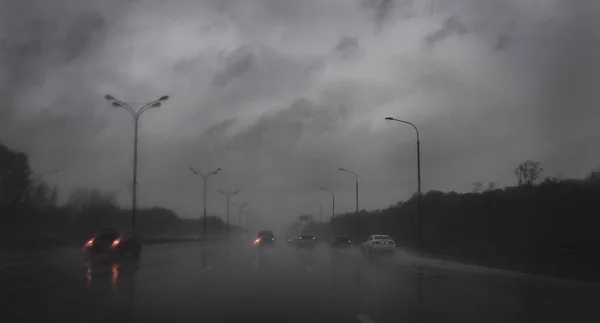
{"x":348,"y":47}
{"x":502,"y":42}
{"x":380,"y":8}
{"x":37,"y":42}
{"x":220,"y":130}
{"x":269,"y":74}
{"x":238,"y":63}
{"x":452,"y":26}
{"x":479,"y":114}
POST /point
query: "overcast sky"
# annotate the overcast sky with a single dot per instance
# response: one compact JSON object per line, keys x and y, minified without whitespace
{"x":281,"y":93}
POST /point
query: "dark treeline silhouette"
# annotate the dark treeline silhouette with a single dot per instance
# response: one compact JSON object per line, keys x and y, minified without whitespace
{"x":29,"y":210}
{"x":548,"y":227}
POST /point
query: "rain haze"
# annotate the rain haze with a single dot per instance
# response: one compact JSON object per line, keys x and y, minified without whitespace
{"x":281,"y":94}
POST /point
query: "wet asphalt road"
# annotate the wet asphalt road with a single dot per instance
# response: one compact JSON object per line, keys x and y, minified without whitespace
{"x":236,"y":282}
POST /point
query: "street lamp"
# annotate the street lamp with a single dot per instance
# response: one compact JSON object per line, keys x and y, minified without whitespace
{"x":136,"y":116}
{"x":240,"y":207}
{"x":248,"y":213}
{"x":318,"y":203}
{"x":205,"y":177}
{"x":356,"y":177}
{"x":419,"y":219}
{"x":332,"y":202}
{"x":228,"y":195}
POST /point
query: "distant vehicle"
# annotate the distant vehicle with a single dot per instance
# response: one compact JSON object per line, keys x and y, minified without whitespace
{"x":265,"y":238}
{"x":378,"y":244}
{"x":306,"y":241}
{"x":113,"y":245}
{"x":292,"y":240}
{"x":341,"y":242}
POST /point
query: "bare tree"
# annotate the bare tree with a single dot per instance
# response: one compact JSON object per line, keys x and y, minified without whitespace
{"x":477,"y":187}
{"x":491,"y":186}
{"x":594,"y":175}
{"x":82,"y":199}
{"x":528,"y":172}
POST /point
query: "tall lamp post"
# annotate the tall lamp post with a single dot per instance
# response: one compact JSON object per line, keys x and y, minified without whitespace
{"x":332,"y":202}
{"x":240,"y":207}
{"x":356,"y":177}
{"x":228,"y":195}
{"x":136,"y":117}
{"x":205,"y":178}
{"x":419,"y":219}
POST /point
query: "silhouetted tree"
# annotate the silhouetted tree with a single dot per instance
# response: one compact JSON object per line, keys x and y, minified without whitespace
{"x":83,"y":199}
{"x":528,"y":172}
{"x":546,"y":229}
{"x":477,"y":187}
{"x":491,"y":186}
{"x":594,"y":176}
{"x":14,"y":178}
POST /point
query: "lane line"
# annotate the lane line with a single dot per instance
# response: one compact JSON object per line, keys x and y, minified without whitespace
{"x":363,"y":318}
{"x":309,"y":270}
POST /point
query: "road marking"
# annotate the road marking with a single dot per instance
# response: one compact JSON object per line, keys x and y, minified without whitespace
{"x":206,"y":269}
{"x":416,"y":272}
{"x":308,"y":270}
{"x":364,"y":319}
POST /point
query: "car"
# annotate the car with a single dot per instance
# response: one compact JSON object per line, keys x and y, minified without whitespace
{"x":265,"y":238}
{"x":341,"y":242}
{"x":292,"y":240}
{"x":378,"y":244}
{"x":306,"y":241}
{"x":111,"y":244}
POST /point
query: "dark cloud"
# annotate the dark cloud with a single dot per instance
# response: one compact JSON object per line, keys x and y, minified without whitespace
{"x":380,"y":8}
{"x":260,"y":94}
{"x":348,"y":47}
{"x":502,"y":42}
{"x":238,"y":63}
{"x":452,"y":26}
{"x":219,"y":130}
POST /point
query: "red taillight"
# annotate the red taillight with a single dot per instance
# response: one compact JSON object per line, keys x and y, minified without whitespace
{"x":89,"y":243}
{"x":257,"y":241}
{"x":116,"y":242}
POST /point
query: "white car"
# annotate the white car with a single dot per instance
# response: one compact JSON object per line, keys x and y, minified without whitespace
{"x":378,"y":244}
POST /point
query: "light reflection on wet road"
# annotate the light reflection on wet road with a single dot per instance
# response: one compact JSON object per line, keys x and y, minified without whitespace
{"x":236,"y":282}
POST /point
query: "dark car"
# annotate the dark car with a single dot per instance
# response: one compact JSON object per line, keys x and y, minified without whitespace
{"x":306,"y":241}
{"x":341,"y":242}
{"x":265,"y":238}
{"x":113,"y":245}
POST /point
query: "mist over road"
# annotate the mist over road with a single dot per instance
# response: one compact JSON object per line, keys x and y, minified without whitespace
{"x":236,"y":282}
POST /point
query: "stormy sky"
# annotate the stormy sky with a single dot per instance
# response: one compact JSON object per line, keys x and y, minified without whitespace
{"x":281,"y":93}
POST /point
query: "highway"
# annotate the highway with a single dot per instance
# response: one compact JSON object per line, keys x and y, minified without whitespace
{"x":237,"y":282}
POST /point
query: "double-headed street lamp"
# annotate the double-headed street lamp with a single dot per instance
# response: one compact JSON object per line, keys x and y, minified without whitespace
{"x":419,"y":220}
{"x":136,"y":116}
{"x":332,"y":202}
{"x":228,"y":195}
{"x":240,"y":207}
{"x":320,"y":205}
{"x":205,"y":177}
{"x":357,"y":223}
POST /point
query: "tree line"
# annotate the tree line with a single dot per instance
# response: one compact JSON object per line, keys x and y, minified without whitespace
{"x":546,"y":226}
{"x":29,"y":208}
